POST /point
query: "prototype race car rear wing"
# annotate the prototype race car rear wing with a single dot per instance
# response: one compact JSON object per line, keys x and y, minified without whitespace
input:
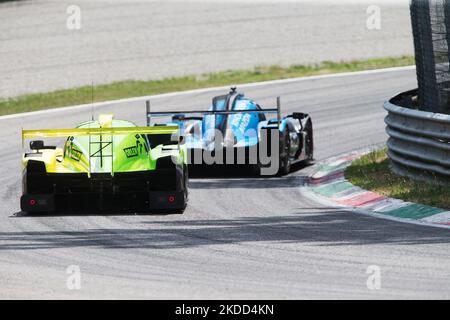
{"x":150,"y":114}
{"x":64,"y":133}
{"x":97,"y":148}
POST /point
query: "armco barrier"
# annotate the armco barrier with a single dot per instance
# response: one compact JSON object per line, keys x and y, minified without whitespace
{"x":419,"y":141}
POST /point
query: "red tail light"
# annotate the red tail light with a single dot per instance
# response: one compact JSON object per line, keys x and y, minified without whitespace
{"x":32,"y":202}
{"x":171,"y":199}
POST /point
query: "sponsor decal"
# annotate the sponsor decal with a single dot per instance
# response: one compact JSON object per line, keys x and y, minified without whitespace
{"x":74,"y":153}
{"x":131,"y":152}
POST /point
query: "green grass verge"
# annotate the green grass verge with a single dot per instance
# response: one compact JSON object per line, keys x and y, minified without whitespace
{"x":371,"y":172}
{"x":133,"y":88}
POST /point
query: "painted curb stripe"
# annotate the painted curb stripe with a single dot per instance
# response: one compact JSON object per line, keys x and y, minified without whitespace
{"x":389,"y":205}
{"x":414,"y":211}
{"x":324,"y":172}
{"x":327,"y":169}
{"x":359,"y":200}
{"x":443,"y":217}
{"x":329,"y":181}
{"x":351,"y":192}
{"x":329,"y":190}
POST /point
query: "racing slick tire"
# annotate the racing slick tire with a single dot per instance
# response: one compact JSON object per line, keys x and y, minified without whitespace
{"x":309,"y":147}
{"x":285,"y":162}
{"x":185,"y":193}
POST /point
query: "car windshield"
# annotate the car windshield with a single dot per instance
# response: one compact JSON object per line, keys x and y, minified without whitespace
{"x":219,"y":104}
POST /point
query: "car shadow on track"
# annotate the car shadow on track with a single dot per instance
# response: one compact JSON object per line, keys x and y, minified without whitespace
{"x":248,"y":183}
{"x":332,"y":227}
{"x":233,"y":172}
{"x":223,"y":178}
{"x":21,"y":214}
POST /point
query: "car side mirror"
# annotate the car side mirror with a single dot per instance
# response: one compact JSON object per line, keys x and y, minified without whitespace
{"x":37,"y":145}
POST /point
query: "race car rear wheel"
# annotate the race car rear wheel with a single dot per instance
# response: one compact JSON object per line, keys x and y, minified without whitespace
{"x":186,"y":191}
{"x":285,"y":162}
{"x":309,"y":146}
{"x":186,"y":186}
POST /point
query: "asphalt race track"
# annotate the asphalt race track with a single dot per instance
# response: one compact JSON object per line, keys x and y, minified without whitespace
{"x":239,"y":237}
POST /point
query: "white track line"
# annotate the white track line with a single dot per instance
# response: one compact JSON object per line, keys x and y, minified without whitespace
{"x":173,"y":94}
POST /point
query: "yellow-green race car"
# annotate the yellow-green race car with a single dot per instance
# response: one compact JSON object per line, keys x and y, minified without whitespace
{"x":106,"y":165}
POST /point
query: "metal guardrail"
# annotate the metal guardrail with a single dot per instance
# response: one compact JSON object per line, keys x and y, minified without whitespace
{"x":419,"y":141}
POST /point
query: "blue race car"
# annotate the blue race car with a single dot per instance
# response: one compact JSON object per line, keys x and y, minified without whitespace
{"x":235,"y":131}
